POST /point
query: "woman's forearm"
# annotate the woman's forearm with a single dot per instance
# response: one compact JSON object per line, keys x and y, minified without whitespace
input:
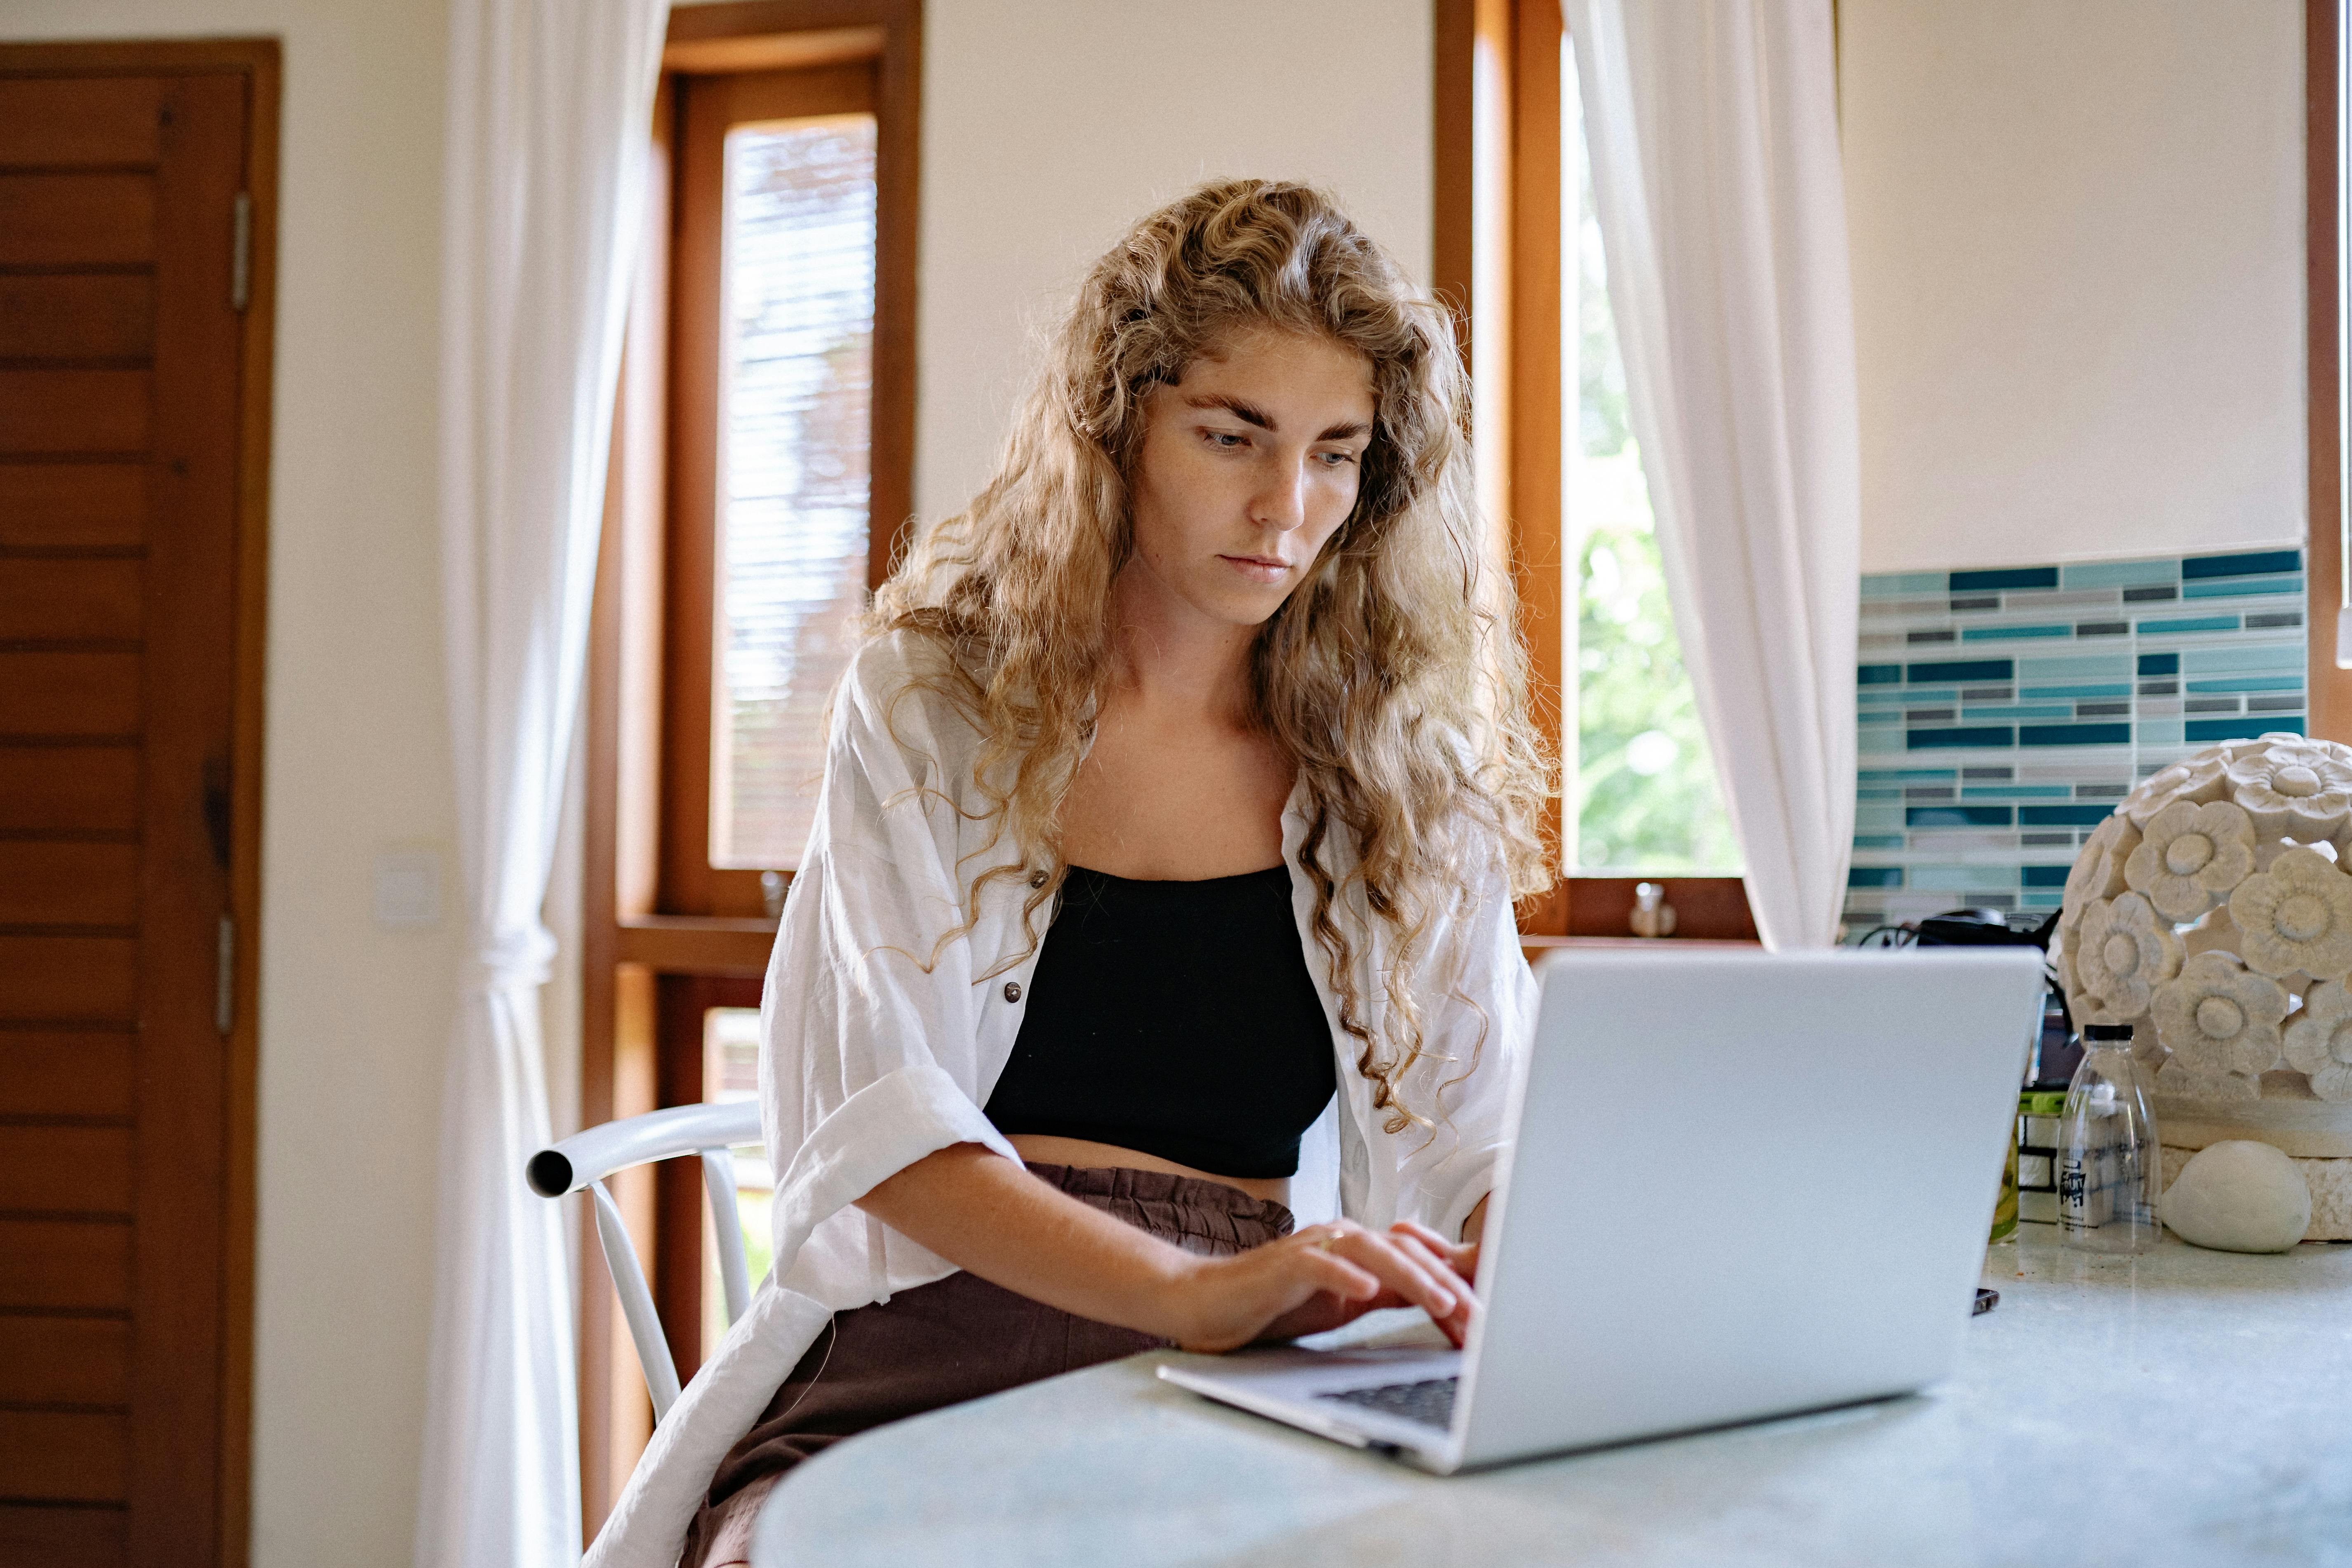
{"x":987,"y":1214}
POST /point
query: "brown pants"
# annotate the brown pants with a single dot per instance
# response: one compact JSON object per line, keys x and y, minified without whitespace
{"x":958,"y":1339}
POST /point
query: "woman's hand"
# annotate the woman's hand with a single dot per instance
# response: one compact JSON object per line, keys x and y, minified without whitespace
{"x":1321,"y":1277}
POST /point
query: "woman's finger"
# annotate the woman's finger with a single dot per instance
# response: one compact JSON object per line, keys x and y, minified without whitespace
{"x":1460,"y":1256}
{"x":1455,"y":1323}
{"x":1419,"y":1283}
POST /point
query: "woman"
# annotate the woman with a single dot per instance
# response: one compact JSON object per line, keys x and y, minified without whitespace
{"x":1185,"y":780}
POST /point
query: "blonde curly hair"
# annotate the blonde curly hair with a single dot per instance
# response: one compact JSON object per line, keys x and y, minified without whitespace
{"x":1391,"y":675}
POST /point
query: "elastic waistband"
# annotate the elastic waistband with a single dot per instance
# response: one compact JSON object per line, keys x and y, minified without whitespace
{"x":1167,"y":1203}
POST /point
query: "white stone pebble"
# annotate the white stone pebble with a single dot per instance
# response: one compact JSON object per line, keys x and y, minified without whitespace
{"x":2238,"y":1196}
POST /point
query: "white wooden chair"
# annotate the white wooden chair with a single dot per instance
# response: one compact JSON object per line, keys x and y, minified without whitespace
{"x":587,"y":1157}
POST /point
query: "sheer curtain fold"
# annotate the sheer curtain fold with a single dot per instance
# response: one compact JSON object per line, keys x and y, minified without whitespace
{"x":1712,"y":131}
{"x":549,"y":105}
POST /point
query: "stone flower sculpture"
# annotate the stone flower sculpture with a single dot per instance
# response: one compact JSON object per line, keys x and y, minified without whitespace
{"x":2191,"y":856}
{"x":2197,"y":780}
{"x":2294,"y":789}
{"x":2125,"y":952}
{"x":2215,"y":1016}
{"x":2296,"y":917}
{"x":2319,"y":1041}
{"x":2212,"y":911}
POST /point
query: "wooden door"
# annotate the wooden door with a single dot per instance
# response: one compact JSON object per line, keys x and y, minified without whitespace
{"x":128,"y":614}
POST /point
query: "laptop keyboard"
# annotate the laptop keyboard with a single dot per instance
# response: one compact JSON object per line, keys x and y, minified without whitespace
{"x":1430,"y":1402}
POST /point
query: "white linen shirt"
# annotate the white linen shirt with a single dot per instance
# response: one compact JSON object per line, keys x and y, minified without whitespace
{"x":880,"y":1043}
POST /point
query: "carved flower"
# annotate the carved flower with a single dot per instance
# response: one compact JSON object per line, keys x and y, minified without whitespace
{"x":2295,"y":916}
{"x":2294,"y":788}
{"x":2098,"y":871}
{"x":2319,"y":1041}
{"x":2216,"y":1017}
{"x":2191,"y":857}
{"x":2122,"y":952}
{"x":2178,"y":1080}
{"x":2196,"y":779}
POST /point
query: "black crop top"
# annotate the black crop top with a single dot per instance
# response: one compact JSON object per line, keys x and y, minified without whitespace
{"x":1176,"y":1018}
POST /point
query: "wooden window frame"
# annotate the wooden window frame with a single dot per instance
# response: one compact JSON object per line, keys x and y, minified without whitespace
{"x":2329,"y":688}
{"x":664,"y":934}
{"x":1497,"y":259}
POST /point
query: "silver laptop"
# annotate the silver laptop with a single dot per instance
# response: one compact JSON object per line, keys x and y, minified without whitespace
{"x":1743,"y":1185}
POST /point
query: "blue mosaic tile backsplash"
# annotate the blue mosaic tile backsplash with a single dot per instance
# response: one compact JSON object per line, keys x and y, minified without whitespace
{"x":2003,"y":713}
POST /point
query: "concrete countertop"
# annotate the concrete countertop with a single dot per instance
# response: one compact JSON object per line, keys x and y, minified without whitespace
{"x":2184,"y":1407}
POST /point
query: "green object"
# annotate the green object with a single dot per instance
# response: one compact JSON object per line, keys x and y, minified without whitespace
{"x":2004,"y":1208}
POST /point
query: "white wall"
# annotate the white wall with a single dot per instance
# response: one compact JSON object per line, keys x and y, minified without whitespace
{"x":1050,"y":125}
{"x":1047,"y":128}
{"x":354,"y":1019}
{"x":2077,"y":238}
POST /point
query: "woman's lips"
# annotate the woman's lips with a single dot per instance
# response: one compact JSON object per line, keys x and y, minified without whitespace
{"x":1258,"y":568}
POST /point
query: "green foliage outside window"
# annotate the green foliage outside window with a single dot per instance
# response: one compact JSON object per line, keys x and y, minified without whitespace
{"x":1643,"y":794}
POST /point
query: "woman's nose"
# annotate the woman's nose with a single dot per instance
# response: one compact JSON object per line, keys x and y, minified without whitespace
{"x":1281,"y":502}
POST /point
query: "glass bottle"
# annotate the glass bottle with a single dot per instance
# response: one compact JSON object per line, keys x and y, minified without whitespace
{"x":2107,"y":1154}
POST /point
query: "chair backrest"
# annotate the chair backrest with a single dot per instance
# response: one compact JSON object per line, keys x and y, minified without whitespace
{"x":587,"y":1157}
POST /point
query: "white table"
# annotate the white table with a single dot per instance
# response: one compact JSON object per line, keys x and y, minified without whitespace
{"x":2185,"y":1407}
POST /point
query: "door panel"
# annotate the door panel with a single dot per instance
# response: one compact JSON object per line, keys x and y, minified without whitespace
{"x":69,"y":316}
{"x":77,"y":220}
{"x":46,"y":695}
{"x":70,"y":506}
{"x":124,"y":454}
{"x":70,"y":884}
{"x":65,"y":1265}
{"x":65,"y":1360}
{"x":66,"y":788}
{"x":72,"y":1455}
{"x":62,"y":412}
{"x":80,"y":121}
{"x":67,"y":1170}
{"x":59,"y":1072}
{"x":96,"y":600}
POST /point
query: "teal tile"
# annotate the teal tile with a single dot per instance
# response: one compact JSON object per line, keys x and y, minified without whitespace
{"x":2231,"y":587}
{"x":2244,"y":659}
{"x":1902,"y":584}
{"x":1962,"y":879}
{"x":2117,"y":688}
{"x":1909,"y":776}
{"x":2119,"y":574}
{"x":2048,"y":711}
{"x":2249,"y":683}
{"x":2015,"y":634}
{"x":2183,"y":625}
{"x":2017,"y":791}
{"x":2083,"y":666}
{"x":2160,"y":733}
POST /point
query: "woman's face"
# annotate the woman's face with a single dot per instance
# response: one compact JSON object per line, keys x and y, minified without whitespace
{"x":1249,"y":464}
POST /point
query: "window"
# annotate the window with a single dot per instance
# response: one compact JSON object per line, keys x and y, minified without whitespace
{"x":762,"y":473}
{"x":1518,"y":251}
{"x":1640,"y":780}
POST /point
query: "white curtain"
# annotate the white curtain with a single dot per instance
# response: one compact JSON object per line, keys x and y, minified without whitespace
{"x":550,"y":102}
{"x":1713,"y":130}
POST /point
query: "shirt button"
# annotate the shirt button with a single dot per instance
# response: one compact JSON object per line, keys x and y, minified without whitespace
{"x":1012,"y":990}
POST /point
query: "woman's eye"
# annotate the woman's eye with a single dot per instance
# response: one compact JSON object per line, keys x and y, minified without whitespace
{"x":1226,"y":440}
{"x":1337,"y":459}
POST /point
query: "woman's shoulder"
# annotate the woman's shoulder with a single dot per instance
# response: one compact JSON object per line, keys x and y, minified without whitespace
{"x":905,"y":685}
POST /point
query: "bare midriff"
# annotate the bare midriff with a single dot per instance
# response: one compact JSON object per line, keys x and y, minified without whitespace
{"x":1042,"y":1148}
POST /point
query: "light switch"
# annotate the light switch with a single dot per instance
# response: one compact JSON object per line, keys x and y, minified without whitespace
{"x":408,"y":889}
